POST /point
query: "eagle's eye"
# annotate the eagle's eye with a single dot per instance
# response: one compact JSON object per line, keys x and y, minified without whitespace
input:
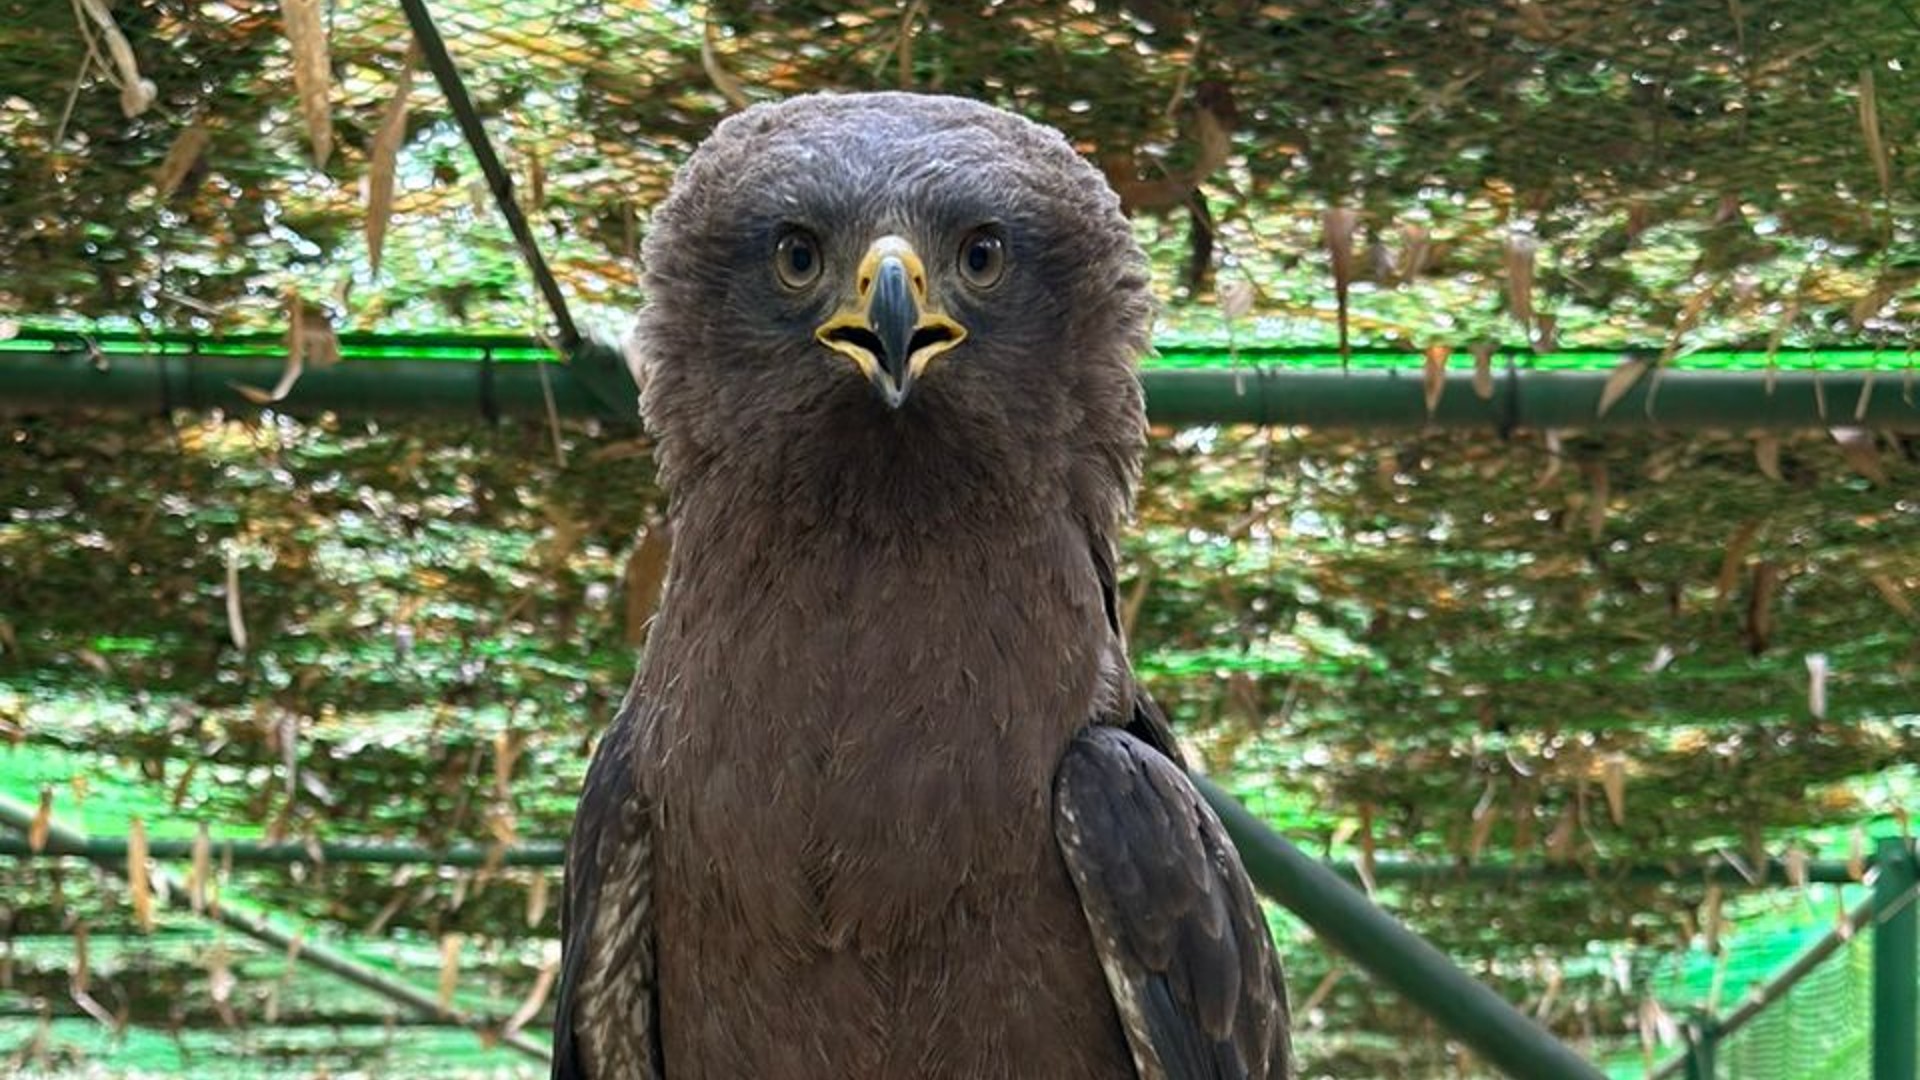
{"x":796,"y":259}
{"x":983,"y":258}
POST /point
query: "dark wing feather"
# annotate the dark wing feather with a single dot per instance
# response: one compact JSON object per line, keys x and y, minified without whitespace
{"x":1144,"y":719}
{"x":1184,"y":944}
{"x":605,"y":1021}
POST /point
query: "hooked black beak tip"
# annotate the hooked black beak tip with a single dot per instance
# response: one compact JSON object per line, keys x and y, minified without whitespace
{"x":893,"y":315}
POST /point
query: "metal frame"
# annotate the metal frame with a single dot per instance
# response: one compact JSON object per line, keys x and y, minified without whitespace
{"x":394,"y":377}
{"x":595,"y":384}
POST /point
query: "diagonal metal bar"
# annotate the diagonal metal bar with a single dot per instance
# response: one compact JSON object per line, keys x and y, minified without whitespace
{"x":1399,"y":958}
{"x":434,"y":48}
{"x":20,"y":816}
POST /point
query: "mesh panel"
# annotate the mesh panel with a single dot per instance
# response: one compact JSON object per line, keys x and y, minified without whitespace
{"x":1823,"y":1027}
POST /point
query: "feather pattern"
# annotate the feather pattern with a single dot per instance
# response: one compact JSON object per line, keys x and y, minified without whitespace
{"x":823,"y":839}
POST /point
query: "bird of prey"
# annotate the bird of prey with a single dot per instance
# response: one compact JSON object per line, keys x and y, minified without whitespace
{"x":884,"y":800}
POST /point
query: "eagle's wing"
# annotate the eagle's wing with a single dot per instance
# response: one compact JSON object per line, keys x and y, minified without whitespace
{"x":1185,"y":946}
{"x":605,"y":1021}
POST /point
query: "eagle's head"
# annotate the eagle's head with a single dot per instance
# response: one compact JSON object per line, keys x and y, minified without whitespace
{"x":893,"y":309}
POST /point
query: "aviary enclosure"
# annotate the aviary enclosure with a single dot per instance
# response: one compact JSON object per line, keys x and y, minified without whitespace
{"x":1531,"y":529}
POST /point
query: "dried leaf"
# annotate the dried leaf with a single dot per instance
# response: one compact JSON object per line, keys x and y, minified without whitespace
{"x":1870,"y":130}
{"x":139,"y":884}
{"x":537,"y":993}
{"x":1483,"y":821}
{"x":1337,"y":225}
{"x":723,"y":80}
{"x":221,"y":982}
{"x":1556,"y":458}
{"x":1856,"y":854}
{"x":1415,"y":250}
{"x":1434,"y":374}
{"x":1236,"y":299}
{"x":1626,"y":375}
{"x":1482,"y":369}
{"x":136,"y":93}
{"x":383,"y":157}
{"x":1892,"y":592}
{"x":1759,"y":628}
{"x":182,"y":156}
{"x":1862,"y":452}
{"x":42,"y":824}
{"x":1713,"y":917}
{"x":1796,"y":861}
{"x":287,"y":734}
{"x":80,"y":976}
{"x":236,"y":619}
{"x":1689,"y":315}
{"x":507,"y":747}
{"x":1817,"y":670}
{"x":1367,"y":847}
{"x":1546,"y":335}
{"x":536,"y":189}
{"x":1560,"y":840}
{"x":1766,"y":454}
{"x":1599,"y":495}
{"x":1521,"y":251}
{"x":450,"y":945}
{"x":644,"y":579}
{"x":310,"y":340}
{"x":312,"y":72}
{"x":537,"y":900}
{"x":1613,"y":780}
{"x":1662,"y":659}
{"x":200,"y":870}
{"x":1733,"y":559}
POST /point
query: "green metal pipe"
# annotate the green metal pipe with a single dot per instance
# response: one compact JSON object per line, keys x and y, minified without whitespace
{"x":1393,"y":954}
{"x":1703,"y":1038}
{"x":553,"y":853}
{"x":1896,"y":962}
{"x":124,"y":375}
{"x":156,"y":382}
{"x":1534,"y":399}
{"x":319,"y":853}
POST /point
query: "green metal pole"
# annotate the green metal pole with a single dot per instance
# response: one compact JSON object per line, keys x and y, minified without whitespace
{"x":1534,"y":399}
{"x":67,"y":380}
{"x":595,"y":383}
{"x":553,"y":853}
{"x":1702,"y":1039}
{"x":1896,"y":963}
{"x":544,"y":853}
{"x":1393,"y":954}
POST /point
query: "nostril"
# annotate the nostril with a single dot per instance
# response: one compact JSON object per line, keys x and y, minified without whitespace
{"x":934,"y":334}
{"x":859,"y":337}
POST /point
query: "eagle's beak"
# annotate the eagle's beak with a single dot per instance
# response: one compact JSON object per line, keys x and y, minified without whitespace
{"x":888,"y":329}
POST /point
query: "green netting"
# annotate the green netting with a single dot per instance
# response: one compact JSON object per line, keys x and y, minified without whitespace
{"x":1822,"y":1028}
{"x":1588,"y":173}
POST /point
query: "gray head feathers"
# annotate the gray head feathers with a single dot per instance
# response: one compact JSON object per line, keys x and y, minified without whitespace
{"x":1026,"y":397}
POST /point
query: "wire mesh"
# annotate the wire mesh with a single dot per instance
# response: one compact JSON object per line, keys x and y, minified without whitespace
{"x":1823,"y":1027}
{"x":1444,"y":646}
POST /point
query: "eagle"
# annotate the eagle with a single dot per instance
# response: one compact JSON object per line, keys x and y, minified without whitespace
{"x":884,"y":799}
